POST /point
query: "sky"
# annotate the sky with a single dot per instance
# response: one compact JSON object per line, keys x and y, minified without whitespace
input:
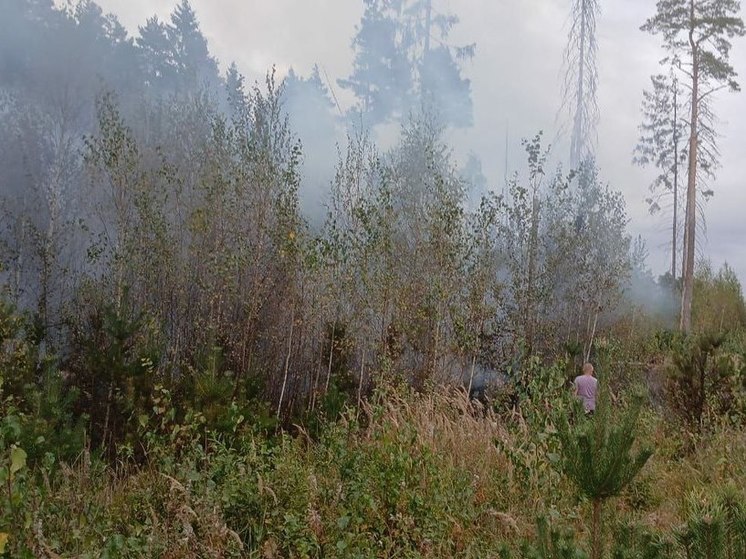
{"x":516,"y":75}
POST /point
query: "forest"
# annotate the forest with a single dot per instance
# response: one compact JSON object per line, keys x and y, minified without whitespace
{"x":195,"y":363}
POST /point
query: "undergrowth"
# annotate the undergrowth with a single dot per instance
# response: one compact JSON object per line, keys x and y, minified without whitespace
{"x":405,"y":474}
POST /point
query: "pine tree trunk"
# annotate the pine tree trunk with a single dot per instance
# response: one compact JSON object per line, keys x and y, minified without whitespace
{"x":596,"y":529}
{"x":691,"y":190}
{"x":428,"y":25}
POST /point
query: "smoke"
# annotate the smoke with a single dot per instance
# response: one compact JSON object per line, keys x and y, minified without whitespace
{"x":55,"y":61}
{"x":311,"y":109}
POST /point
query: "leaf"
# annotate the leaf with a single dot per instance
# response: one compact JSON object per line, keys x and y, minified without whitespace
{"x":3,"y":542}
{"x":17,"y":459}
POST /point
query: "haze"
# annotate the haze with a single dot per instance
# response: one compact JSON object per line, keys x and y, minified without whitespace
{"x":515,"y":87}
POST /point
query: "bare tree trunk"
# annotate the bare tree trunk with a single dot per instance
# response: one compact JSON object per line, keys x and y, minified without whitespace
{"x":471,"y":373}
{"x":19,"y":265}
{"x":426,"y":48}
{"x":592,"y":335}
{"x":436,"y":348}
{"x":674,"y":228}
{"x":576,"y":142}
{"x":45,"y":280}
{"x":360,"y":383}
{"x":287,"y":363}
{"x":691,"y":190}
{"x":315,"y":389}
{"x":331,"y":354}
{"x":108,"y":413}
{"x":532,"y":264}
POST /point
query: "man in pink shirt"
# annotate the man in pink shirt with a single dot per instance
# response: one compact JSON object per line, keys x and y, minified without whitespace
{"x":585,"y":388}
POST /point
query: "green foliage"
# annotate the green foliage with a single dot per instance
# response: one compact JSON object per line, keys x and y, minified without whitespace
{"x":632,"y":541}
{"x":204,"y":300}
{"x":13,"y":476}
{"x":552,"y":543}
{"x":598,"y":456}
{"x":397,"y":70}
{"x":382,"y":486}
{"x":113,"y":363}
{"x":715,"y":525}
{"x":18,"y":350}
{"x":711,"y":24}
{"x":541,"y":390}
{"x":718,"y":304}
{"x":699,"y":373}
{"x":598,"y":453}
{"x":34,"y":398}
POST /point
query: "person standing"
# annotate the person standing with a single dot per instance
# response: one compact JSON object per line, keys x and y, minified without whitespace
{"x":585,"y":388}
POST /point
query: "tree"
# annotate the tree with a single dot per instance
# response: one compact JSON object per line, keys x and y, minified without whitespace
{"x":397,"y":69}
{"x":581,"y":79}
{"x":523,"y":212}
{"x":659,"y":144}
{"x":696,"y":35}
{"x":238,"y":104}
{"x":475,"y":324}
{"x":597,"y":456}
{"x":718,"y":304}
{"x":113,"y":160}
{"x":715,"y":526}
{"x":155,"y":53}
{"x":308,"y":95}
{"x":23,"y":20}
{"x":566,"y":250}
{"x":697,"y":370}
{"x":194,"y":66}
{"x":551,"y":543}
{"x":395,"y":241}
{"x":589,"y":247}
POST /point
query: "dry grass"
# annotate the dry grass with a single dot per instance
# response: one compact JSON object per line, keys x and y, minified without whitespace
{"x":471,"y":438}
{"x":497,"y":465}
{"x":461,"y":431}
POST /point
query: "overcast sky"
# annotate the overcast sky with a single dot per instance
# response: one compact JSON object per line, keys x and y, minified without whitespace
{"x":515,"y":84}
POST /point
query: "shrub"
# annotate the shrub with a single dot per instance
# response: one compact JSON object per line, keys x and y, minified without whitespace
{"x":597,"y":456}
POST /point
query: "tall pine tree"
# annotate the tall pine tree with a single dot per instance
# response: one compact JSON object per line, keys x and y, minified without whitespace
{"x":660,"y":145}
{"x":696,"y":36}
{"x":195,"y":68}
{"x":398,"y":69}
{"x":581,"y":79}
{"x":156,"y":56}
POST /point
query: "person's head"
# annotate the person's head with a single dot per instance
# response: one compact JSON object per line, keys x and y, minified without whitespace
{"x":587,"y":369}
